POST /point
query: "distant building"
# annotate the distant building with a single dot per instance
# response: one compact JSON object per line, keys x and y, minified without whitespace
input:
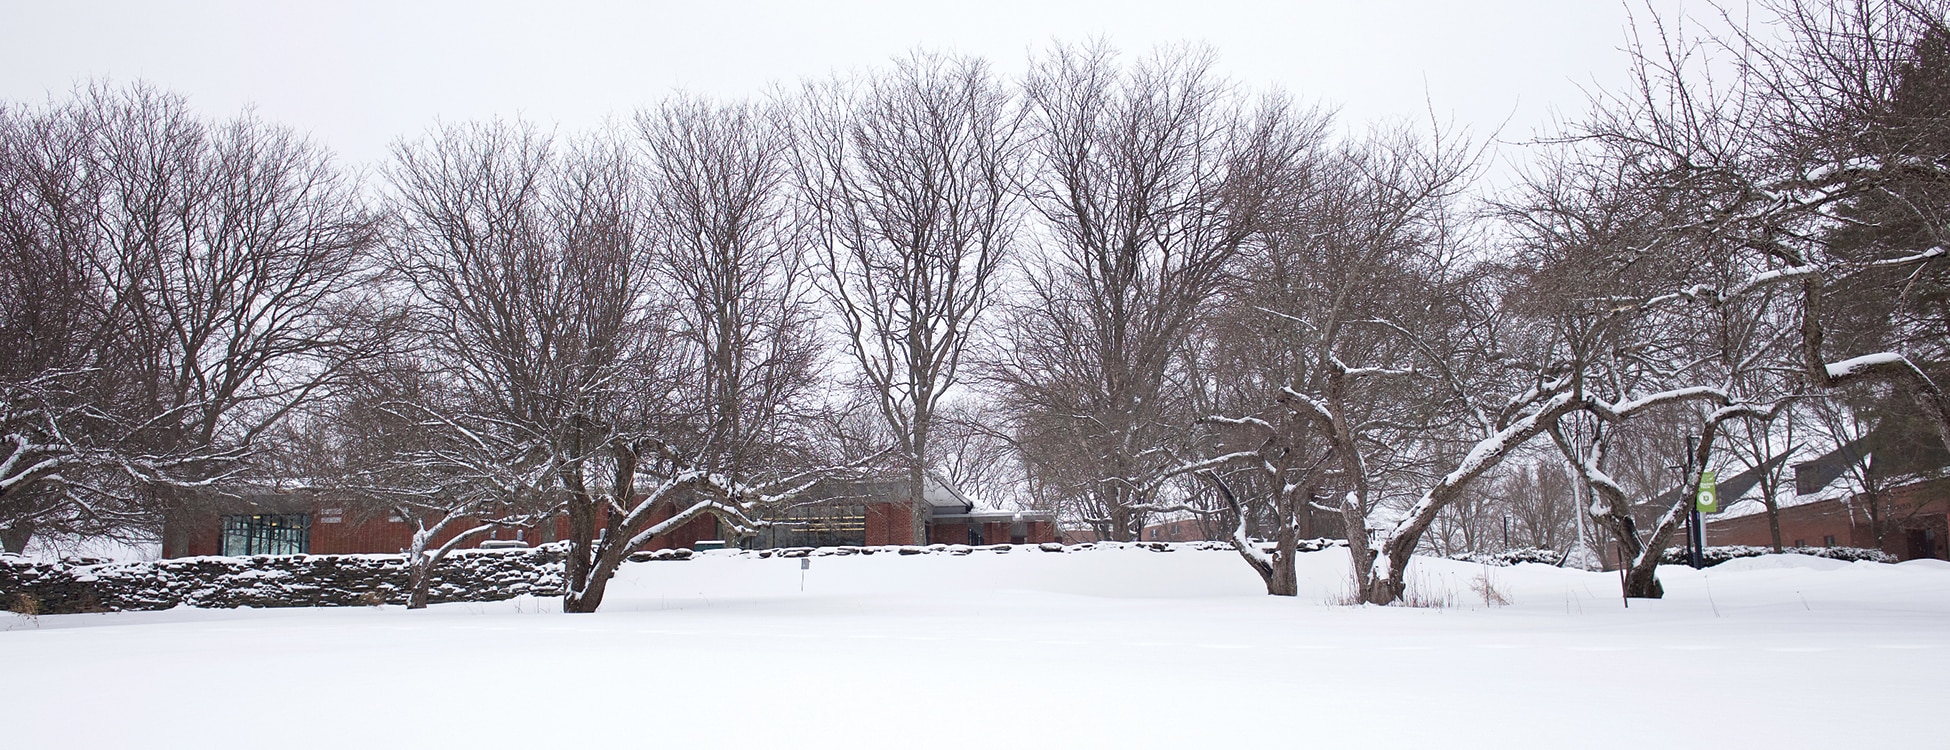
{"x":1878,"y":492}
{"x":866,"y":512}
{"x":874,"y":511}
{"x":1181,"y":530}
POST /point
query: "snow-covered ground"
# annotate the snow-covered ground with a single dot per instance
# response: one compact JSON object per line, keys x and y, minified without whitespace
{"x":1106,"y":648}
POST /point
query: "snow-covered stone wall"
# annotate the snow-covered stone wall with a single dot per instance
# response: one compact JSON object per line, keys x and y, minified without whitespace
{"x":85,"y":585}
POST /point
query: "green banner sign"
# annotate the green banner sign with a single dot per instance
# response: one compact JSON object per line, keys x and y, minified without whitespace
{"x":1709,"y":493}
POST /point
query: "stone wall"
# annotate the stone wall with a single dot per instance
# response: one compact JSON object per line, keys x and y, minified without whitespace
{"x":83,"y":585}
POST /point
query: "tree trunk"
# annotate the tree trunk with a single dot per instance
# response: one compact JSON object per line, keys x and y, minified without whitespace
{"x":576,"y":574}
{"x":1277,"y":572}
{"x":1773,"y":520}
{"x":1876,"y":525}
{"x":1122,"y":520}
{"x":1387,"y":588}
{"x":1642,"y":581}
{"x":420,"y":563}
{"x":1590,"y":486}
{"x":917,"y":498}
{"x":585,"y":600}
{"x":419,"y":577}
{"x":1285,"y":578}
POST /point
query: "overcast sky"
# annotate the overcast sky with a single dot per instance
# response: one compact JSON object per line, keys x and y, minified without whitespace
{"x":357,"y":74}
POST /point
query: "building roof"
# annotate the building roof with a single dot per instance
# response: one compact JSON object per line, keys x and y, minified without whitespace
{"x":1822,"y":478}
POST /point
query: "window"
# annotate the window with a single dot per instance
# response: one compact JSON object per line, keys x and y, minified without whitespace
{"x":1828,"y":541}
{"x":1800,"y":542}
{"x":975,"y":534}
{"x":816,"y":526}
{"x":267,"y":534}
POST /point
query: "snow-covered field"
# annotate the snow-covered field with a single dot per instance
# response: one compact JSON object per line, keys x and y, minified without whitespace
{"x":1106,"y":648}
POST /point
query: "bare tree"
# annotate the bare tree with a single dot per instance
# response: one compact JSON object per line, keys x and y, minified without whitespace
{"x":1543,"y":512}
{"x":1803,"y":175}
{"x":1150,"y":177}
{"x":718,"y":190}
{"x":214,"y":280}
{"x":975,"y":456}
{"x":1607,"y":251}
{"x":1765,"y":445}
{"x":1820,"y":162}
{"x":906,"y":184}
{"x":397,"y":444}
{"x":539,"y":300}
{"x":1369,"y":299}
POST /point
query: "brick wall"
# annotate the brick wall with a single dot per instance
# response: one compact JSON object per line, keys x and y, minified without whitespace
{"x":949,"y":533}
{"x":1184,"y":530}
{"x":1915,"y":520}
{"x":380,"y":533}
{"x":889,"y":523}
{"x":1810,"y":525}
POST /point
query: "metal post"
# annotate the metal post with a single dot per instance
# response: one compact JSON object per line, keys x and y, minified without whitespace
{"x":1623,"y":578}
{"x":1690,"y":485}
{"x":1699,"y":541}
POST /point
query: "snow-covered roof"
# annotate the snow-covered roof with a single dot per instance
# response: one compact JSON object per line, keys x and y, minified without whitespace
{"x":1832,"y":480}
{"x":1752,"y":505}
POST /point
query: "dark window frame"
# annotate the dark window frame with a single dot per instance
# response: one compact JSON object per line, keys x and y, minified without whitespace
{"x":265,"y":534}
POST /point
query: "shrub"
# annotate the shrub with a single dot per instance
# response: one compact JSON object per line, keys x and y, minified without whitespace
{"x":1715,"y":555}
{"x":1511,"y":557}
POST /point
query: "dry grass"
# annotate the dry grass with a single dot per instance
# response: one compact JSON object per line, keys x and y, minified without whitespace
{"x":28,"y":607}
{"x":1485,"y":586}
{"x":1349,"y":595}
{"x":1416,"y":595}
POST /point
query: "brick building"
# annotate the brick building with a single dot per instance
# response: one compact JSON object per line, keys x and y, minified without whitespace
{"x":866,"y":512}
{"x":1876,"y":492}
{"x":874,"y":511}
{"x":269,"y":523}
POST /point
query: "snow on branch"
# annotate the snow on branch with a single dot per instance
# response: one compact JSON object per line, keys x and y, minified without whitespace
{"x":1922,"y":257}
{"x":1857,"y":366}
{"x":1625,"y":408}
{"x":1314,"y":407}
{"x":1484,"y":455}
{"x":1253,"y":422}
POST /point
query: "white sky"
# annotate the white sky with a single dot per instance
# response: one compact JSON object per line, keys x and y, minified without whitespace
{"x":359,"y":73}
